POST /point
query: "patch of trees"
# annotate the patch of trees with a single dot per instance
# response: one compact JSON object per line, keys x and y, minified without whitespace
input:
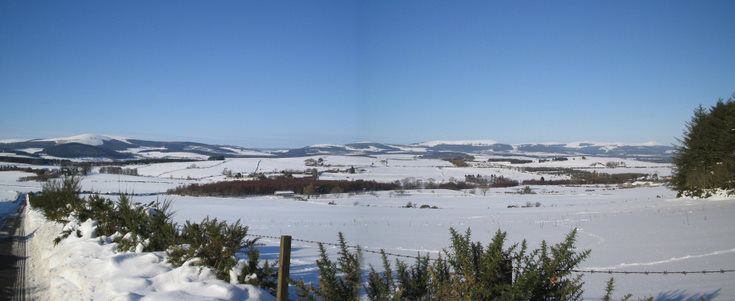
{"x":471,"y":181}
{"x":553,"y":159}
{"x":269,"y":186}
{"x":314,"y":162}
{"x":511,"y":160}
{"x":115,"y":170}
{"x":706,"y":158}
{"x":580,"y":177}
{"x":442,"y":155}
{"x":460,"y":161}
{"x":542,"y":181}
{"x":490,"y":181}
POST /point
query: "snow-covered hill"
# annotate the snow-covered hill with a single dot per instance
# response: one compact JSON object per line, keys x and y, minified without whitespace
{"x":122,"y":148}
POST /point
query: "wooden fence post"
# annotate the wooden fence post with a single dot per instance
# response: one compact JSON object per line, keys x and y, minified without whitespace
{"x":284,"y":261}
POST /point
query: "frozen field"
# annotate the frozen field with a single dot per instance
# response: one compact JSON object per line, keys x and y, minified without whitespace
{"x":641,"y":229}
{"x":636,"y":229}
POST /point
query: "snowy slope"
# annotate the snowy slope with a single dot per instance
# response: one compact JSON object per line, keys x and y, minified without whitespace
{"x":88,"y":139}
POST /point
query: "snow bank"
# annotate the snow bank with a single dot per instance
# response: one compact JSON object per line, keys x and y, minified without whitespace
{"x":84,"y":268}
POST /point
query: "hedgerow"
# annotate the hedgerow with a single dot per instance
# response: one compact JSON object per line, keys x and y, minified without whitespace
{"x":467,"y":271}
{"x":149,"y":228}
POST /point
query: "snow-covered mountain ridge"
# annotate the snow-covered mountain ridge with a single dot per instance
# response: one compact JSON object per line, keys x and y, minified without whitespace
{"x":123,"y":148}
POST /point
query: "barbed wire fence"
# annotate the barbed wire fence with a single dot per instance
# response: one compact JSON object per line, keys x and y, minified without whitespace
{"x":582,"y":271}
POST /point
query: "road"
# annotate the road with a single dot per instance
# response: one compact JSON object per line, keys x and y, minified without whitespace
{"x":13,"y":254}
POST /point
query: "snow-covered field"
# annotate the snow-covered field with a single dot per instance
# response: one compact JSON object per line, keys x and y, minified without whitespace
{"x":636,"y":229}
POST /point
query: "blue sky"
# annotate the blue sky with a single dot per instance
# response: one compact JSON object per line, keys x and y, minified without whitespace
{"x":296,"y":73}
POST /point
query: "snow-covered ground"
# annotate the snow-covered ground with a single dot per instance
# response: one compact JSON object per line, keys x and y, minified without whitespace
{"x":10,"y":185}
{"x":636,"y":229}
{"x":640,"y":229}
{"x":82,"y":268}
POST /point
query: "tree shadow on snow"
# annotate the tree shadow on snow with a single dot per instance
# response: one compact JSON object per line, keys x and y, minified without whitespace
{"x":683,"y":295}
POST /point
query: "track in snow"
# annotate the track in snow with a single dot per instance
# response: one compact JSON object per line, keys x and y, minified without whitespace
{"x":13,"y":256}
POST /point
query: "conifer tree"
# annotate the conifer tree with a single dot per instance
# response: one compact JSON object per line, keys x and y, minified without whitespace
{"x":706,"y":158}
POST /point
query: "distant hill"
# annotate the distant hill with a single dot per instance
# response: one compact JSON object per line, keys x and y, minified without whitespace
{"x":89,"y":146}
{"x":119,"y":148}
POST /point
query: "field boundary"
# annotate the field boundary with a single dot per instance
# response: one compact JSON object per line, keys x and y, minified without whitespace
{"x":579,"y":271}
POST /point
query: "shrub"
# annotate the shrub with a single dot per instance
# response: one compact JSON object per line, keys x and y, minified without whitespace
{"x":265,"y":277}
{"x":58,"y":198}
{"x":471,"y":271}
{"x":337,"y":281}
{"x":526,"y":190}
{"x":215,"y":243}
{"x":149,"y":225}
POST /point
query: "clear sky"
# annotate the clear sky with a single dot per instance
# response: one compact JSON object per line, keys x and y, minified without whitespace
{"x":296,"y":73}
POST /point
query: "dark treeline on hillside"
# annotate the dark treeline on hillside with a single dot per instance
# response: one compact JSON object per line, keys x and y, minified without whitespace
{"x":269,"y":186}
{"x":34,"y":161}
{"x":116,"y":170}
{"x":579,"y":177}
{"x":511,"y":160}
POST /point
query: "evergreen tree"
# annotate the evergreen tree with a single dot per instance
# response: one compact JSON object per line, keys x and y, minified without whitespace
{"x":706,"y":158}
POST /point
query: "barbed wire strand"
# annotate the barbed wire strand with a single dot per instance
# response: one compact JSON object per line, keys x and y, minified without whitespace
{"x":337,"y":245}
{"x":583,"y":271}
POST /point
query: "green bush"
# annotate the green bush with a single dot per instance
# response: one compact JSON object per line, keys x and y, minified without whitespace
{"x":215,"y":243}
{"x":471,"y":271}
{"x":265,"y":277}
{"x":337,"y":281}
{"x":150,"y":225}
{"x":58,"y":198}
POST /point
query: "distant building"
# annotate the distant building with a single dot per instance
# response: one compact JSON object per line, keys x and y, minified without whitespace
{"x":284,"y":193}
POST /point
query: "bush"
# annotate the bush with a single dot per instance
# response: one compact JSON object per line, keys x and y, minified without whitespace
{"x":265,"y":277}
{"x":215,"y":243}
{"x":58,"y":198}
{"x":471,"y":271}
{"x":337,"y":281}
{"x":526,"y":190}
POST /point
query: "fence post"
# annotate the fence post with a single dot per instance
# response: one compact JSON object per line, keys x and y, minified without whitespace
{"x":284,"y":261}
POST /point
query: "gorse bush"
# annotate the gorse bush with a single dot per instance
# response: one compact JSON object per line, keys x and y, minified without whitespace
{"x":264,"y":277}
{"x":213,"y":242}
{"x":466,"y":271}
{"x":148,"y":225}
{"x":59,"y":198}
{"x":339,"y":280}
